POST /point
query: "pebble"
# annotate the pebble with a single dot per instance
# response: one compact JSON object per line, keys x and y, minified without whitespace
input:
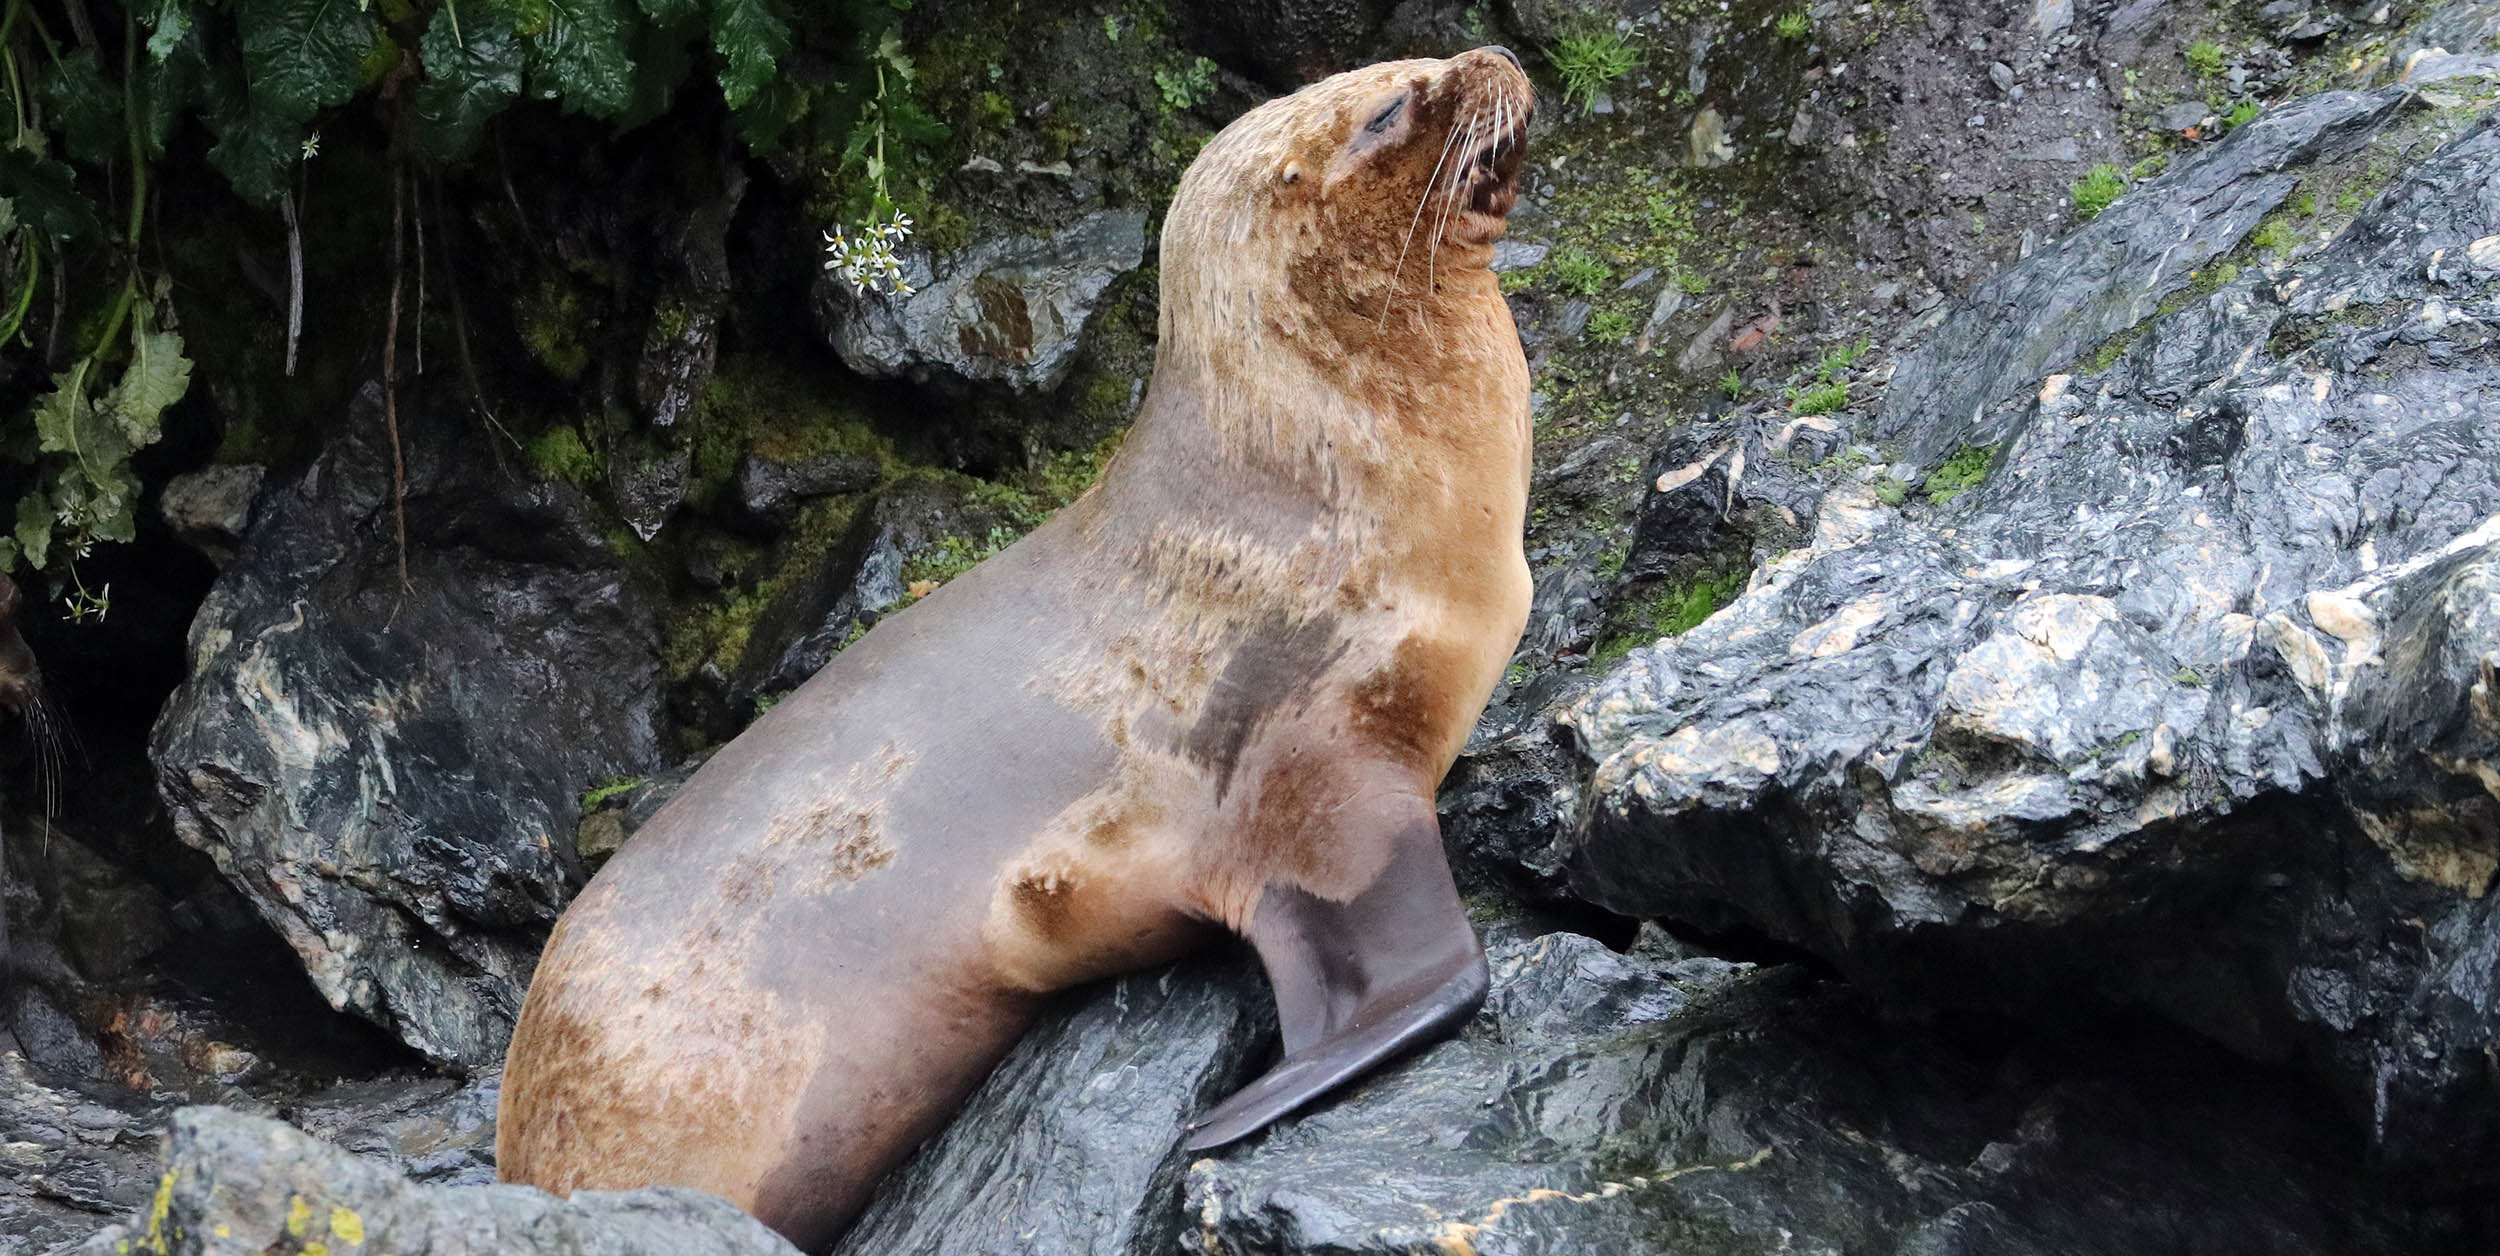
{"x":2002,"y":75}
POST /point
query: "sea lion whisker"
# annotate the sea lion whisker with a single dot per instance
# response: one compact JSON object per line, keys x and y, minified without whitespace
{"x":1423,"y":197}
{"x":1441,"y":227}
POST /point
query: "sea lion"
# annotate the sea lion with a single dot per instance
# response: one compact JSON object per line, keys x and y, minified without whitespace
{"x":1217,"y":689}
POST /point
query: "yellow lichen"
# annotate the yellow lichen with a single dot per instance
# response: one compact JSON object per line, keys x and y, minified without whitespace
{"x":347,"y":1226}
{"x":298,"y":1215}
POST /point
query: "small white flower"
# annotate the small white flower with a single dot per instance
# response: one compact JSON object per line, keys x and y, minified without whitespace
{"x":312,"y":145}
{"x":869,"y":260}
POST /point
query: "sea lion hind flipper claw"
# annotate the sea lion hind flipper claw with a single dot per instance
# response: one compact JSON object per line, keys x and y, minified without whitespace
{"x":1356,"y":982}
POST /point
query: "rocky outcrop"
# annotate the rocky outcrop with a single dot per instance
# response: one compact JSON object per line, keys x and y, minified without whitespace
{"x":235,"y":1184}
{"x":1654,"y":1101}
{"x":1602,"y":1100}
{"x":2186,"y":704}
{"x":1009,"y":310}
{"x":366,"y":756}
{"x":2113,"y":272}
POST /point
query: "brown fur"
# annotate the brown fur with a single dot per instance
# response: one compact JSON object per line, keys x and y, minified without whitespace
{"x":1246,"y":653}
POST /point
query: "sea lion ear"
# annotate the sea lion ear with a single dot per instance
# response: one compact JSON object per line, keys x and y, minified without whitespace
{"x":1357,"y":982}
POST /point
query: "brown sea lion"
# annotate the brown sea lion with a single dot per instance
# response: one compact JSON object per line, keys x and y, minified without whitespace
{"x":1218,"y":689}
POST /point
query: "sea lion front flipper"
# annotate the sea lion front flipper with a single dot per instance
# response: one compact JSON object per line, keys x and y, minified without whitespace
{"x":1356,"y":982}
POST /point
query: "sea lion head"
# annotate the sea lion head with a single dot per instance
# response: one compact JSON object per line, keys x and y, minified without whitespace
{"x":1356,"y":202}
{"x":21,"y":681}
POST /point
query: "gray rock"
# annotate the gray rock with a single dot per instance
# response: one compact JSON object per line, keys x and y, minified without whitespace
{"x":682,"y":339}
{"x":209,"y":508}
{"x":234,"y":1184}
{"x":1510,"y":255}
{"x":771,"y":491}
{"x":2183,"y":115}
{"x":2002,"y":75}
{"x":2112,"y":272}
{"x":2055,"y":150}
{"x":2185,"y":706}
{"x":369,"y":765}
{"x":1007,"y":311}
{"x":66,"y":1164}
{"x":1073,"y":1145}
{"x":1653,"y":1102}
{"x":1287,"y":43}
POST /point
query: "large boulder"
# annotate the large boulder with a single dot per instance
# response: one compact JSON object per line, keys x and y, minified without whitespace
{"x":2186,"y":704}
{"x":233,"y":1184}
{"x":362,"y":747}
{"x":1008,"y":310}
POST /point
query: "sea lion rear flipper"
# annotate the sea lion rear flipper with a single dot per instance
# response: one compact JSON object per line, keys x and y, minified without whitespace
{"x":1356,"y":982}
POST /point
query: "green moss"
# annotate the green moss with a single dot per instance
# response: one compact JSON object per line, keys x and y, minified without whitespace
{"x":551,"y":321}
{"x":2205,"y":58}
{"x":2096,"y":189}
{"x":2273,"y":235}
{"x":764,"y":406}
{"x":559,"y":454}
{"x":593,"y":797}
{"x":1610,"y":327}
{"x":1672,"y":610}
{"x":1891,"y":492}
{"x":2242,"y":114}
{"x":1960,"y":473}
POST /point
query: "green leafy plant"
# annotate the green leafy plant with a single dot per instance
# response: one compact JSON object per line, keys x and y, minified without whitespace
{"x":1610,"y":327}
{"x":1842,"y":358}
{"x":1590,"y":62}
{"x":1580,"y":273}
{"x":2096,"y":189}
{"x":1732,"y":383}
{"x":1189,"y":86}
{"x":2242,"y":114}
{"x":2205,"y":58}
{"x":1822,"y":398}
{"x":1792,"y":26}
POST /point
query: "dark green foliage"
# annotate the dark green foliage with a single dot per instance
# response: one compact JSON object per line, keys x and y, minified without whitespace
{"x":471,"y":81}
{"x":302,"y":56}
{"x":263,"y":79}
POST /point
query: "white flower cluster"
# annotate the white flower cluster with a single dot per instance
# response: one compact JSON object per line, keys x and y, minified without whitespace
{"x":867,"y":260}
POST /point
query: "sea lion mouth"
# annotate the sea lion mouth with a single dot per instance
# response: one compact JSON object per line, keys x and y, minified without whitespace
{"x":1492,"y":175}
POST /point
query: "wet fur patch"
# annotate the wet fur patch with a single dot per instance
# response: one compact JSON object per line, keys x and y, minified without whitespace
{"x":1273,"y":669}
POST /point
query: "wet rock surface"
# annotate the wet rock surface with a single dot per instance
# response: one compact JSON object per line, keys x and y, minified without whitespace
{"x":1073,"y":1145}
{"x":1657,"y":1101}
{"x":1005,"y":311}
{"x":366,"y":760}
{"x":234,"y":1183}
{"x":2123,"y":718}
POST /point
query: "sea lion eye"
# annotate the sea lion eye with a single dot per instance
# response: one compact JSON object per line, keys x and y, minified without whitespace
{"x":1381,"y":120}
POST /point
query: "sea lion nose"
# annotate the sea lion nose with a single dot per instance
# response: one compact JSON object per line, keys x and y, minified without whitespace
{"x":1506,"y":55}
